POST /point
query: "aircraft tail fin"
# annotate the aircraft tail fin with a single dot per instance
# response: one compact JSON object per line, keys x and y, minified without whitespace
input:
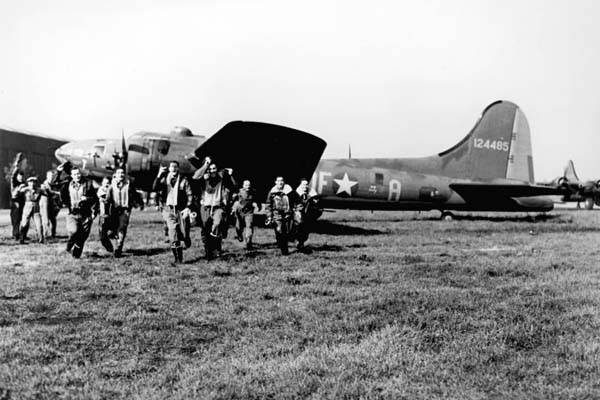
{"x":570,"y":173}
{"x":498,"y":146}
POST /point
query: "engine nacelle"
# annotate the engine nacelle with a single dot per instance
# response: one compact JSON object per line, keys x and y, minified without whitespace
{"x":562,"y":181}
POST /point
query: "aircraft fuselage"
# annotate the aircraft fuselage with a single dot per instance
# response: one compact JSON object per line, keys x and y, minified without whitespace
{"x":361,"y":184}
{"x":490,"y":169}
{"x":146,"y":152}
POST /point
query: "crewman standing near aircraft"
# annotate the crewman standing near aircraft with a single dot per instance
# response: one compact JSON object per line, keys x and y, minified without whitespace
{"x":280,"y":211}
{"x":105,"y":223}
{"x":177,"y":200}
{"x":79,"y":195}
{"x":49,"y":206}
{"x":303,"y":212}
{"x":243,"y":212}
{"x":16,"y":200}
{"x":31,"y":195}
{"x":118,"y":201}
{"x":215,"y":188}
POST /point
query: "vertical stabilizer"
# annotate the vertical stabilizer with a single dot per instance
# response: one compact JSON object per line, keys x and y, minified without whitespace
{"x":498,"y":146}
{"x":570,"y":173}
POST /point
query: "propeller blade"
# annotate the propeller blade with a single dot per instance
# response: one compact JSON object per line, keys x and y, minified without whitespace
{"x":123,"y":150}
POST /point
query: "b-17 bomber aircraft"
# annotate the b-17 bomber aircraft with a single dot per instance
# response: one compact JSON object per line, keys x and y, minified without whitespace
{"x":252,"y":150}
{"x":491,"y":169}
{"x":575,"y":190}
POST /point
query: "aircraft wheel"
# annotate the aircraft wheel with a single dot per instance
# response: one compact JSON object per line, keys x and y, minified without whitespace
{"x":589,"y":203}
{"x":447,"y":216}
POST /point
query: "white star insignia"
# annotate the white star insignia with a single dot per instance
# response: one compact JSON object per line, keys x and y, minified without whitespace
{"x":345,"y":184}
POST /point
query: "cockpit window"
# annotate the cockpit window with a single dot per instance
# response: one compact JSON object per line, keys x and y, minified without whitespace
{"x":98,"y":149}
{"x":162,"y":146}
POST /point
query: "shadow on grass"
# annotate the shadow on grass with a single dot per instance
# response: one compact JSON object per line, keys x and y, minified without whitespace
{"x":98,"y":256}
{"x":500,"y":218}
{"x":230,"y":257}
{"x":147,"y":252}
{"x":331,"y":228}
{"x":129,"y":253}
{"x":58,"y":320}
{"x":322,"y":247}
{"x":9,"y":242}
{"x":260,"y":246}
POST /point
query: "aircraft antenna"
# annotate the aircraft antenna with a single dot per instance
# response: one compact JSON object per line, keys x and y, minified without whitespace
{"x":349,"y":152}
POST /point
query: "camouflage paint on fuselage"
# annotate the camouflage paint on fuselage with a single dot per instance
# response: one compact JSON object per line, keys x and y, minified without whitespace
{"x":495,"y":153}
{"x":146,"y":151}
{"x":251,"y":150}
{"x":489,"y":169}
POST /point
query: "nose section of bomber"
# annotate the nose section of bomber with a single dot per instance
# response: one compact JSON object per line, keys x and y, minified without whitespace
{"x":64,"y":152}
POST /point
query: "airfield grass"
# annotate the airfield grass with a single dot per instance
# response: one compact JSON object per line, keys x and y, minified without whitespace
{"x":384,"y":305}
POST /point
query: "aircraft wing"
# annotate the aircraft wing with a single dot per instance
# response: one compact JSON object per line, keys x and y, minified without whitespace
{"x":261,"y":152}
{"x":484,"y":191}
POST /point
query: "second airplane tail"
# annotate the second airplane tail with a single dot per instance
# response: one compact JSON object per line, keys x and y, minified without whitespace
{"x":570,"y":173}
{"x":498,"y":146}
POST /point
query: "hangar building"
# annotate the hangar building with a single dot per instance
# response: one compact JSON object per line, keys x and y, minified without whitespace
{"x":39,"y":155}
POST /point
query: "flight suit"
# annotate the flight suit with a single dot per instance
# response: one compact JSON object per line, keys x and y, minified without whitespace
{"x":16,"y":202}
{"x":214,"y":204}
{"x":243,"y":212}
{"x":176,"y":195}
{"x":302,"y":214}
{"x":31,"y":211}
{"x":280,"y":212}
{"x":106,"y":230}
{"x":49,"y":208}
{"x":82,"y":202}
{"x":118,"y":202}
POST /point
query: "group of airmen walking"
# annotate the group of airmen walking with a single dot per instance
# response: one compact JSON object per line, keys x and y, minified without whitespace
{"x":31,"y":202}
{"x":210,"y":198}
{"x":218,"y":200}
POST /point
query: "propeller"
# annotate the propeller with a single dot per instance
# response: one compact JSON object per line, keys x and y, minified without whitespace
{"x":120,"y":158}
{"x":123,"y":151}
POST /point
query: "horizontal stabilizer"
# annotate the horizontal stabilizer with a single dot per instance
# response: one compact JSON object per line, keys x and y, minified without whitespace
{"x":482,"y":191}
{"x":260,"y":152}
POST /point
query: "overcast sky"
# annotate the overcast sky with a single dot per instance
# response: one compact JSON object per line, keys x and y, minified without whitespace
{"x":391,"y":78}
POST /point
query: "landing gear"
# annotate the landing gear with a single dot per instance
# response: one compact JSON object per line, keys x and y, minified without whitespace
{"x":447,"y":216}
{"x":589,"y":203}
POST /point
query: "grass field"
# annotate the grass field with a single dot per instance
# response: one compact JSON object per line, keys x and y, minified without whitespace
{"x":386,"y":305}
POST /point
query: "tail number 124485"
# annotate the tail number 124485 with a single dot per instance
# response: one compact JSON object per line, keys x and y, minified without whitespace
{"x":498,"y":145}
